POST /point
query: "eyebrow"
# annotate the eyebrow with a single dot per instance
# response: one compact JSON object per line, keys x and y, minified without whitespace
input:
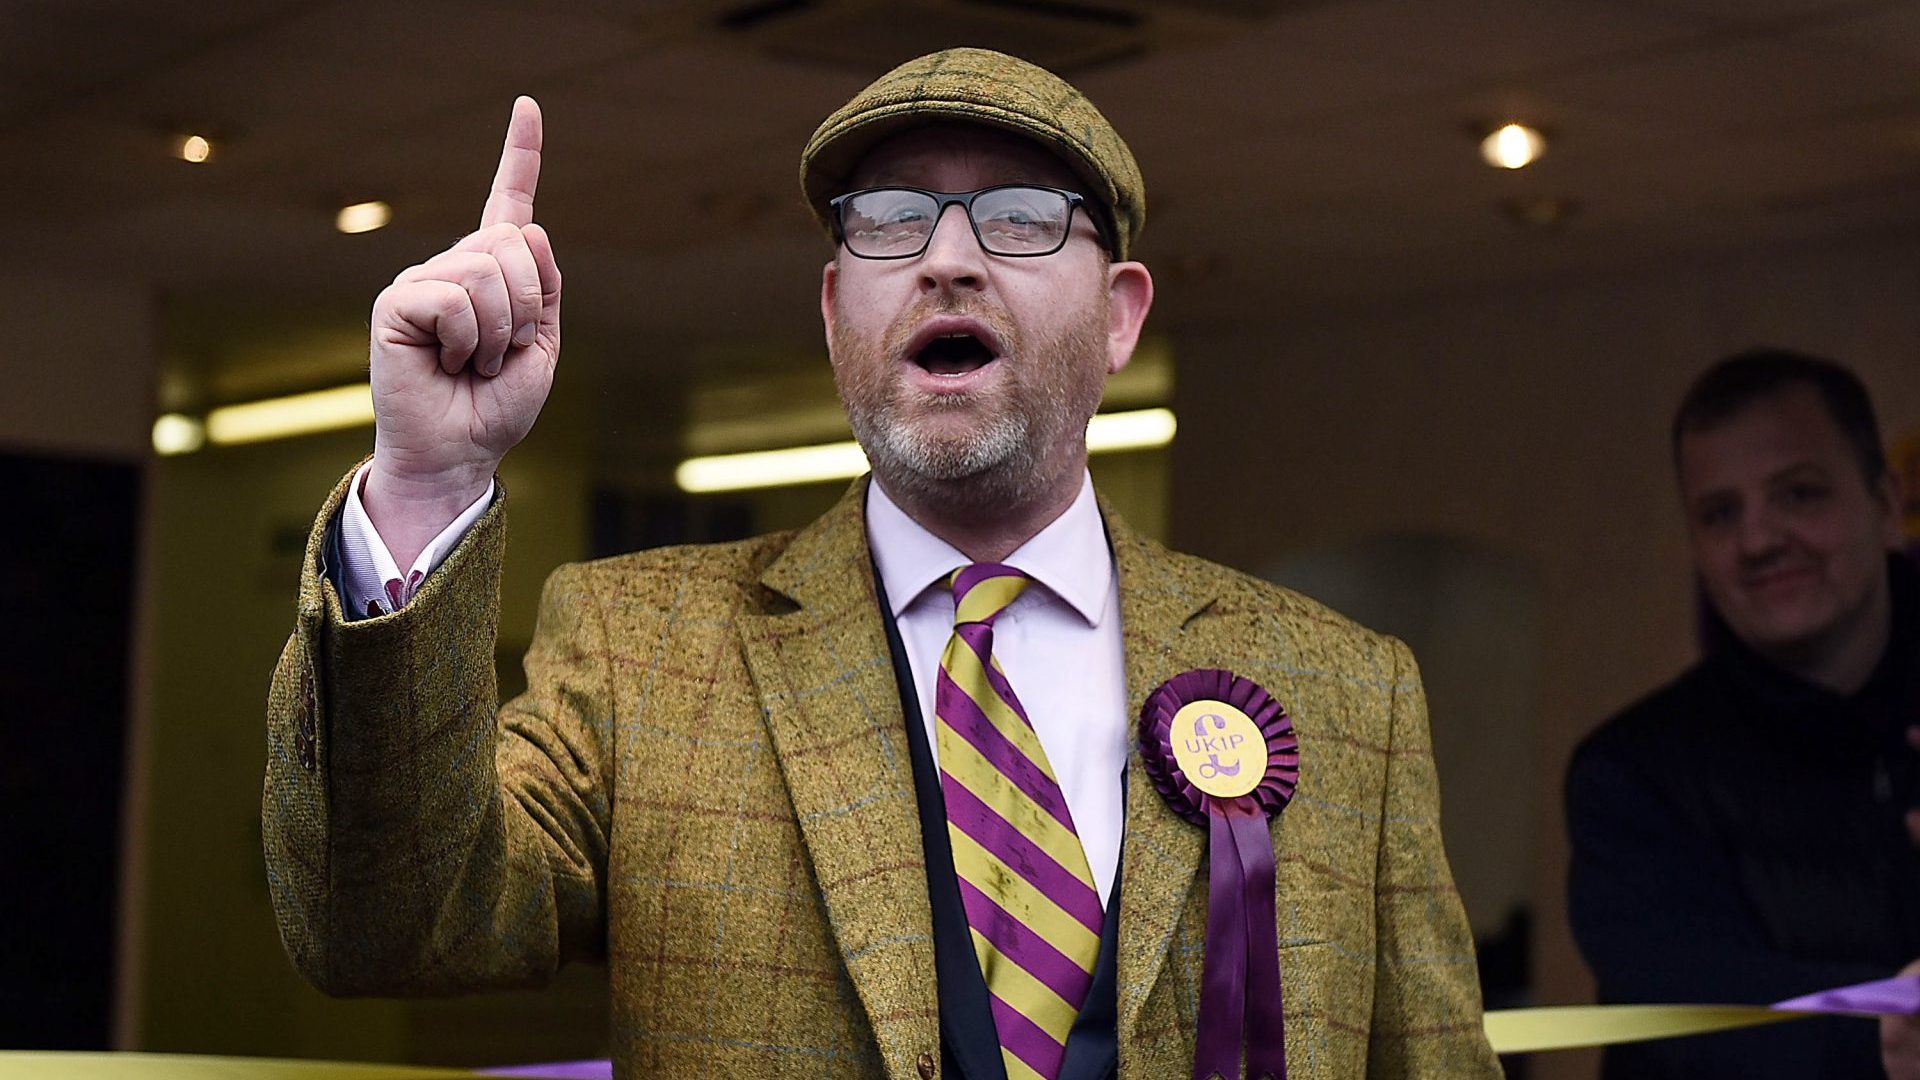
{"x":1780,"y":475}
{"x":1802,"y":466}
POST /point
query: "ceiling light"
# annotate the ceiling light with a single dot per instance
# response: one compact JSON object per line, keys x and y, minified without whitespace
{"x":195,"y":148}
{"x":178,"y":434}
{"x":363,"y":217}
{"x":1513,"y":146}
{"x":1141,"y":429}
{"x":298,"y":414}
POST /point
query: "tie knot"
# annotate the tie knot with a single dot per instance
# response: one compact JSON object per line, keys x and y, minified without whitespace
{"x":982,"y":591}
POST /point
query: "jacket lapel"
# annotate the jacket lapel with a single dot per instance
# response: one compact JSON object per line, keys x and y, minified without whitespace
{"x":818,"y":657}
{"x":1162,"y":854}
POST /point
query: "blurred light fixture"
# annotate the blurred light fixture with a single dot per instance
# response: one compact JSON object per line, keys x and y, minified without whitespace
{"x":789,"y":467}
{"x":1140,"y":429}
{"x":363,"y":217}
{"x":1513,"y":146}
{"x":195,"y":149}
{"x":175,"y":433}
{"x":299,"y":414}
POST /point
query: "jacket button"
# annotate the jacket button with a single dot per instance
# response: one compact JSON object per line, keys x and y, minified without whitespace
{"x":926,"y":1066}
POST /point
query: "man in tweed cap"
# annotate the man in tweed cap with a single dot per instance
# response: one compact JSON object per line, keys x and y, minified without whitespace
{"x":732,"y":777}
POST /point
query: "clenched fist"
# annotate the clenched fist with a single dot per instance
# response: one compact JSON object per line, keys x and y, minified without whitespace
{"x":464,"y":347}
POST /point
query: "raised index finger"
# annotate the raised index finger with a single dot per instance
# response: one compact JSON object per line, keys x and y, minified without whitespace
{"x":511,"y":199}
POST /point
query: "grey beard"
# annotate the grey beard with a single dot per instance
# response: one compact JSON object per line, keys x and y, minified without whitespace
{"x":995,"y":467}
{"x":1003,"y":463}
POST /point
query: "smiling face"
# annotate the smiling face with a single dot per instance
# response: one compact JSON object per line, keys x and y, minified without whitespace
{"x":1789,"y":538}
{"x":967,"y":376}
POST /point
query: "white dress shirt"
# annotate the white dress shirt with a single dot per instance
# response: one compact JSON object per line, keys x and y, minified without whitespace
{"x":368,"y":575}
{"x":1058,"y":642}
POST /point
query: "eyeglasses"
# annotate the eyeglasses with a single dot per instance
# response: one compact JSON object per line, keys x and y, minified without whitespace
{"x":1017,"y":220}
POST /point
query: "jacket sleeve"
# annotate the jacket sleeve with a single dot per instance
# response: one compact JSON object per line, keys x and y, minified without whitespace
{"x":419,"y":838}
{"x":1660,"y":920}
{"x":1426,"y":1001}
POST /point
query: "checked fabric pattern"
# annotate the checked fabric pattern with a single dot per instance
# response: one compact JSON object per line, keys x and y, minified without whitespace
{"x":707,"y":787}
{"x":1023,"y":875}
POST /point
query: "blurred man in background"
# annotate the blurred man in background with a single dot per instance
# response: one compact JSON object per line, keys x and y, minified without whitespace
{"x":1747,"y":833}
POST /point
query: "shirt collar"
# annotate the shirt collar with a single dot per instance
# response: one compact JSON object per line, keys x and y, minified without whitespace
{"x":1070,"y":556}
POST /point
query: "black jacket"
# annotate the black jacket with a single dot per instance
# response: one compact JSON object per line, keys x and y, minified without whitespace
{"x":1738,"y":838}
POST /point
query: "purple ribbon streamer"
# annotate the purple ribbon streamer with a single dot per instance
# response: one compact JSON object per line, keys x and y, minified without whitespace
{"x":1242,"y":959}
{"x":1265,"y":1026}
{"x":1223,"y":978}
{"x":558,"y":1070}
{"x":1897,"y":996}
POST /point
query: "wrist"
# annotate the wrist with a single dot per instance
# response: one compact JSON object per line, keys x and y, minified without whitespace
{"x":446,"y":490}
{"x":409,"y":510}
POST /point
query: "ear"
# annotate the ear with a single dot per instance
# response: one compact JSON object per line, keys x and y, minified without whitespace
{"x":1892,"y":493}
{"x":1129,"y":296}
{"x":829,"y":281}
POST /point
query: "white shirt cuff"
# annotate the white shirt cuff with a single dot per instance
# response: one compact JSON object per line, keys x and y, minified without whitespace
{"x":372,"y":582}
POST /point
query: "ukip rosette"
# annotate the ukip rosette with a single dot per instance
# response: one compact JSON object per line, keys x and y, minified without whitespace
{"x":1222,"y":752}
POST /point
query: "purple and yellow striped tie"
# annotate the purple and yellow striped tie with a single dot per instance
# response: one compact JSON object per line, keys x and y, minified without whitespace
{"x":1023,"y":875}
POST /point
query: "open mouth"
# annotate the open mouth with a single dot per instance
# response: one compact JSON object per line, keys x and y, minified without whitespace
{"x":953,"y":354}
{"x":953,"y":347}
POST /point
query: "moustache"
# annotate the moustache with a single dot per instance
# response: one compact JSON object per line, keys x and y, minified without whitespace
{"x":900,"y":332}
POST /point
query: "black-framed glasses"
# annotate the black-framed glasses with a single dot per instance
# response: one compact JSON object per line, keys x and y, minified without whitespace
{"x":1017,"y":220}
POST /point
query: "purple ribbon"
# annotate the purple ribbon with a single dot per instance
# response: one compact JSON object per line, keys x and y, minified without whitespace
{"x":1240,"y":1001}
{"x":1898,"y":996}
{"x":1243,"y":951}
{"x":557,"y":1070}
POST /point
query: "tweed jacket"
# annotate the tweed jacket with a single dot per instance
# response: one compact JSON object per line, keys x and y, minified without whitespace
{"x":707,"y":786}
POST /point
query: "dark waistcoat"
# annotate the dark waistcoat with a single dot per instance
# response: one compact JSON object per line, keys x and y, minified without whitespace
{"x":969,"y":1045}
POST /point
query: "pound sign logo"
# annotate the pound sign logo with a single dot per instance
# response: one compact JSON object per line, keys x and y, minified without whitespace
{"x":1213,"y":766}
{"x":1226,"y":756}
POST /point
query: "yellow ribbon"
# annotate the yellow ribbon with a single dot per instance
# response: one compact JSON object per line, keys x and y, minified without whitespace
{"x":1511,"y":1031}
{"x":1570,"y":1027}
{"x":123,"y":1066}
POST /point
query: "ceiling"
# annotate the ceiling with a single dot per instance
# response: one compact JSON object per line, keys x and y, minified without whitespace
{"x":1297,"y":153}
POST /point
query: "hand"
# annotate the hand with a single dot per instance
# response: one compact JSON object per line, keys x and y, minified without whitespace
{"x":463,"y":353}
{"x":1900,"y":1040}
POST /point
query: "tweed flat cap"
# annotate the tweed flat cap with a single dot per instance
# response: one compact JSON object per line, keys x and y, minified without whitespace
{"x":979,"y":86}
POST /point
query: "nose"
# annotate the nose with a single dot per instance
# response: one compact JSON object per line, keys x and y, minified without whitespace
{"x":953,"y":260}
{"x":1760,"y":534}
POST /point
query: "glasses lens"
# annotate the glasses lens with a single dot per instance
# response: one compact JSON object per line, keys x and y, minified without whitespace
{"x":887,"y":222}
{"x":1021,"y":220}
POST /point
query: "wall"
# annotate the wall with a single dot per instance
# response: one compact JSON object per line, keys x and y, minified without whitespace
{"x":1529,"y":420}
{"x":80,"y":371}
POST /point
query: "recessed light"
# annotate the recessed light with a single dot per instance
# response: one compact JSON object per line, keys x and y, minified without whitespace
{"x":1513,"y":146}
{"x":175,"y":433}
{"x":194,"y":148}
{"x":363,"y":217}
